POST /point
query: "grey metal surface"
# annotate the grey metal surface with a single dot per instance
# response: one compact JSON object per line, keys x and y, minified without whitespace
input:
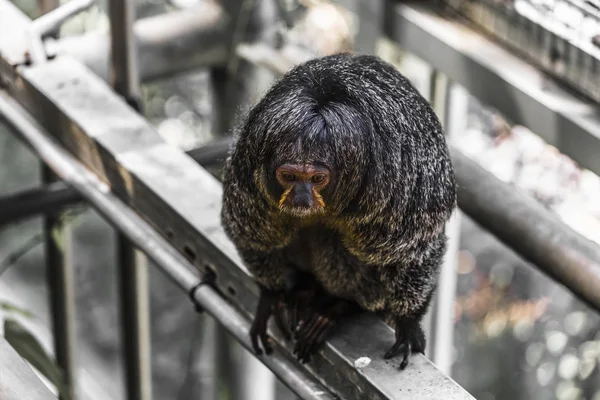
{"x":168,"y":44}
{"x":182,"y":202}
{"x":560,"y":47}
{"x":500,"y":79}
{"x":17,"y":379}
{"x":44,"y":200}
{"x":60,"y":275}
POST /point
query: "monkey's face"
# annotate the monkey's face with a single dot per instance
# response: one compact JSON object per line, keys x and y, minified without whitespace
{"x":302,"y":184}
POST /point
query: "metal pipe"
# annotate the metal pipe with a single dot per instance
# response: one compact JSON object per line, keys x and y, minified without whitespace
{"x":48,"y":199}
{"x":53,"y":19}
{"x":168,"y":44}
{"x":133,"y":271}
{"x":125,"y":78}
{"x":61,"y":280}
{"x":172,"y":263}
{"x":213,"y":152}
{"x":530,"y":229}
{"x":135,"y":321}
{"x":454,"y":110}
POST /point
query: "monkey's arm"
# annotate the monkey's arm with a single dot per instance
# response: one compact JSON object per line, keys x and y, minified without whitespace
{"x":259,"y":240}
{"x":409,"y":291}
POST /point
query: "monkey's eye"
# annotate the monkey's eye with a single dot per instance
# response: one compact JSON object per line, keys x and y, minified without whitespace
{"x":286,"y":176}
{"x":318,"y":178}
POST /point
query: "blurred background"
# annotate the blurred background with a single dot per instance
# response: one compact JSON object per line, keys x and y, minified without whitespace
{"x":516,"y":333}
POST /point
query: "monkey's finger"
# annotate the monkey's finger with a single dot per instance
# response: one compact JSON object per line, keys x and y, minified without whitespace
{"x":407,"y":353}
{"x":307,"y":341}
{"x":300,"y":352}
{"x":294,"y":315}
{"x":418,"y":344}
{"x":305,"y":326}
{"x":264,"y":339}
{"x":315,"y":328}
{"x":254,"y":340}
{"x":281,"y":325}
{"x":394,"y":350}
{"x":319,"y":337}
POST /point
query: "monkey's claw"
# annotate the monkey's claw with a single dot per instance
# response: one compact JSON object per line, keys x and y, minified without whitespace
{"x":409,"y":339}
{"x":269,"y":303}
{"x":313,"y":331}
{"x":311,"y":335}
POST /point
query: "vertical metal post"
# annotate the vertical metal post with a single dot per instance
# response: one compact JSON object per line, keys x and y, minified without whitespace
{"x":450,"y":102}
{"x":135,"y":324}
{"x":370,"y":25}
{"x":125,"y":76}
{"x":133,"y":272}
{"x":60,"y":276}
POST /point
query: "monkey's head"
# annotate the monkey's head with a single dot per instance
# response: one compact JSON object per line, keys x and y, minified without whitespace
{"x":336,"y":136}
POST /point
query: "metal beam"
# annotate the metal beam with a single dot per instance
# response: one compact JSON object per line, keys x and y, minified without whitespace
{"x":47,"y":199}
{"x":499,"y":79}
{"x":168,"y":44}
{"x":182,"y":201}
{"x":60,"y":275}
{"x":18,"y":381}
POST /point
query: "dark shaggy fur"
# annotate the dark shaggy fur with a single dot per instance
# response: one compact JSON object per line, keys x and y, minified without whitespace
{"x":380,"y":240}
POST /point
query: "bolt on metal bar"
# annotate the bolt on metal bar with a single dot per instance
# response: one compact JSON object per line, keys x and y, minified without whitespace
{"x":48,"y":199}
{"x":61,"y":281}
{"x":133,"y":271}
{"x":175,"y":266}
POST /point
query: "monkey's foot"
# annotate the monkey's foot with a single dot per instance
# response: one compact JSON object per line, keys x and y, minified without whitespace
{"x":313,"y":331}
{"x":269,"y":303}
{"x":409,"y":339}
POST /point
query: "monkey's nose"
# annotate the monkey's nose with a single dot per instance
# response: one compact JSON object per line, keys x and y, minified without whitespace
{"x":303,"y":200}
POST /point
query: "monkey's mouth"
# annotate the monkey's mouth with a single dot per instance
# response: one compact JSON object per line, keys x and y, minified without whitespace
{"x":302,"y":212}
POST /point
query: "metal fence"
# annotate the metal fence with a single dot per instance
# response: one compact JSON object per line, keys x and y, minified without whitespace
{"x":55,"y":96}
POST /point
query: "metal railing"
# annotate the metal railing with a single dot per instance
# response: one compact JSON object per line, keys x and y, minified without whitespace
{"x":168,"y":206}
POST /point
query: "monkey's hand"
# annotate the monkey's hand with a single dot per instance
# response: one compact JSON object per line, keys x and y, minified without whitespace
{"x":270,"y":303}
{"x":321,"y":318}
{"x":409,"y":339}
